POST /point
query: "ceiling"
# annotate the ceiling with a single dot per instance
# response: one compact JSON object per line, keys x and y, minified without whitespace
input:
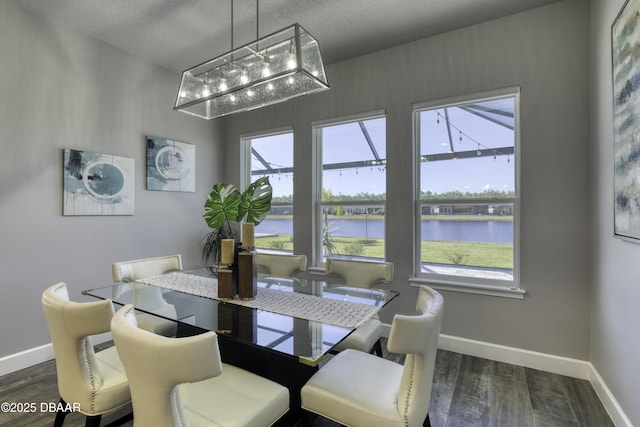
{"x":178,"y":34}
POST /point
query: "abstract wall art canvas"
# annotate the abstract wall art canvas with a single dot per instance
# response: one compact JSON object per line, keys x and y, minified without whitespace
{"x":625,"y":38}
{"x":171,"y":165}
{"x":97,"y":184}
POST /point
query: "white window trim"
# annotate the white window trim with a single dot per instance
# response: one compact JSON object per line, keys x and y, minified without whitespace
{"x":471,"y":288}
{"x":373,"y":114}
{"x":245,"y":156}
{"x":317,"y":260}
{"x":245,"y":153}
{"x":509,"y":289}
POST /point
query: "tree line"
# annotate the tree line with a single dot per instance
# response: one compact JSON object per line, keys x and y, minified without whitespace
{"x":328,"y":196}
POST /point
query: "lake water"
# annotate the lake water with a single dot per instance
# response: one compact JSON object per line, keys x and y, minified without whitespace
{"x":461,"y":231}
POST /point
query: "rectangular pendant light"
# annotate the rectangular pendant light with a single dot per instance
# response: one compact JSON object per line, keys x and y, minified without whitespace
{"x":275,"y":68}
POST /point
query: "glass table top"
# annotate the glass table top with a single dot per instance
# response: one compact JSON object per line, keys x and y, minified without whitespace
{"x":163,"y":310}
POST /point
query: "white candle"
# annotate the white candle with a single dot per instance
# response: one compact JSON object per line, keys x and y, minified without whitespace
{"x":226,"y":258}
{"x":247,"y":235}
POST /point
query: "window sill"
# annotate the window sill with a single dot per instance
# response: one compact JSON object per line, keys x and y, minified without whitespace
{"x":471,"y":288}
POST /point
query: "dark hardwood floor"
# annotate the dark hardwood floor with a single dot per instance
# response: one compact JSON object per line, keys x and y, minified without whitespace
{"x":467,"y":392}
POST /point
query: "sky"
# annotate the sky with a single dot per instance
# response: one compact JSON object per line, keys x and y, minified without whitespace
{"x":346,"y":142}
{"x":468,"y":133}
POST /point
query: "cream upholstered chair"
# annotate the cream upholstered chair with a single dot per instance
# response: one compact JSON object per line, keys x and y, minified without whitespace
{"x":130,"y":271}
{"x":365,"y":274}
{"x":150,"y":299}
{"x":282,"y":265}
{"x":358,"y":389}
{"x":361,"y":273}
{"x":182,"y":381}
{"x":95,"y":381}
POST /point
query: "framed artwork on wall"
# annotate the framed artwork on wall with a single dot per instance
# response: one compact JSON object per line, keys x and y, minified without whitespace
{"x":97,"y":184}
{"x":625,"y":40}
{"x":171,"y":165}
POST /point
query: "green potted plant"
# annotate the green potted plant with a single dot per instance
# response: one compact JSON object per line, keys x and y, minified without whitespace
{"x":226,"y":208}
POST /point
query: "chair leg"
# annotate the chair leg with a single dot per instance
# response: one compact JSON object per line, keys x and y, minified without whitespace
{"x":93,"y":421}
{"x":120,"y":421}
{"x":377,"y":349}
{"x":308,"y":418}
{"x":60,"y":415}
{"x":426,"y":422}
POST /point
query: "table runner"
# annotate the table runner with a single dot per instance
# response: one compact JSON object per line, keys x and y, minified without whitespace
{"x":335,"y":312}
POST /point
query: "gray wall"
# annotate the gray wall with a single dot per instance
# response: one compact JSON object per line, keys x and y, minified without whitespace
{"x":61,"y":90}
{"x":615,"y":317}
{"x":545,"y":52}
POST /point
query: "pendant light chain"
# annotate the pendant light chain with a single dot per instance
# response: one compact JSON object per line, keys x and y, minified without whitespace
{"x":257,"y":21}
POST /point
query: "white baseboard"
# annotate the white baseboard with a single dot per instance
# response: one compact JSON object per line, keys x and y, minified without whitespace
{"x":531,"y":359}
{"x":575,"y":368}
{"x":609,"y":401}
{"x":33,"y":356}
{"x":25,"y":359}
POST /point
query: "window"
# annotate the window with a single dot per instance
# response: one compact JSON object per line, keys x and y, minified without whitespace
{"x":467,"y":209}
{"x":351,"y":189}
{"x":272,"y":155}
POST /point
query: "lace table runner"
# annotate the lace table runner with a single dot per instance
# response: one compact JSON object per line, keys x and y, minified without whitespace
{"x":335,"y":312}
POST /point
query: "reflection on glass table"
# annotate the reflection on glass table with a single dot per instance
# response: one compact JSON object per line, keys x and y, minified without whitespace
{"x":283,"y":348}
{"x":293,"y":336}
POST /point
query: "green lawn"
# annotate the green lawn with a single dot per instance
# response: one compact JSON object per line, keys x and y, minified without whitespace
{"x":491,"y":255}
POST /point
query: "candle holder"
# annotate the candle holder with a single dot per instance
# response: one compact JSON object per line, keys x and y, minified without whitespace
{"x":239,"y":275}
{"x":247,"y":275}
{"x":227,"y":287}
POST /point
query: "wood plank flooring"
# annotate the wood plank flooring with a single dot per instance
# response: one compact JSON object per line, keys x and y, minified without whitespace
{"x":467,"y":392}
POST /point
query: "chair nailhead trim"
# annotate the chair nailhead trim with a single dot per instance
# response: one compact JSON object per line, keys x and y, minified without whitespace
{"x":405,"y":415}
{"x":91,"y":376}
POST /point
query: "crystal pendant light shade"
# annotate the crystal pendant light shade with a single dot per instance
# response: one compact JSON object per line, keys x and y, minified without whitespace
{"x":275,"y":68}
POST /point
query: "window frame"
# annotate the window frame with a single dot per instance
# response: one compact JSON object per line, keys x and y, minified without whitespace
{"x":485,"y":286}
{"x":316,"y":130}
{"x":245,"y":164}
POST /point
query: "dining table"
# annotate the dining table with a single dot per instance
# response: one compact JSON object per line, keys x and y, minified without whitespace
{"x":283,"y":334}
